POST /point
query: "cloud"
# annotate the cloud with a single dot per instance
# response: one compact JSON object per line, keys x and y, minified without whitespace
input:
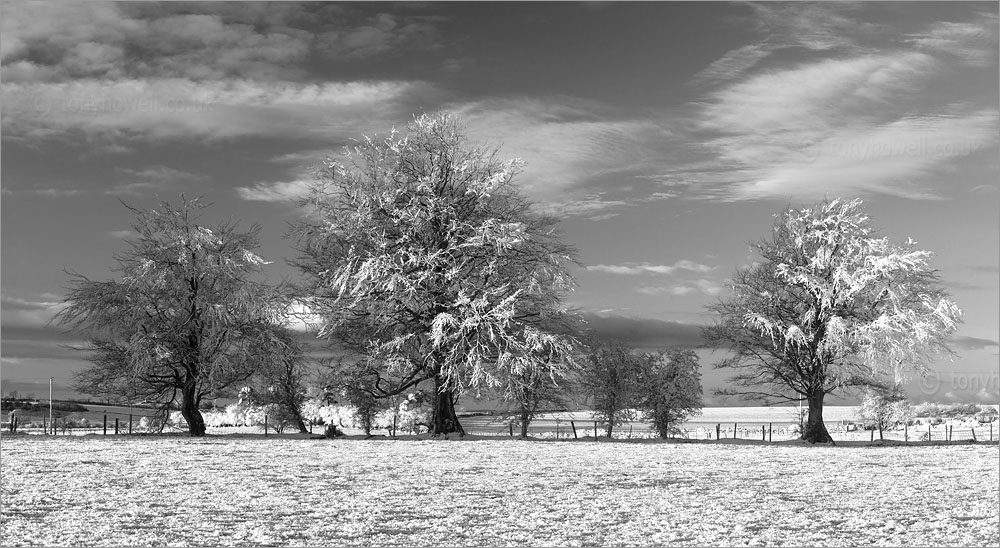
{"x":568,"y":144}
{"x":644,"y":333}
{"x":702,"y":286}
{"x":289,"y":191}
{"x":973,"y":43}
{"x":17,"y":312}
{"x":59,"y":41}
{"x":180,"y":108}
{"x":973,"y":343}
{"x":838,"y":127}
{"x":647,"y":268}
{"x":731,"y":65}
{"x":382,"y":34}
{"x":154,"y":178}
{"x":593,"y":203}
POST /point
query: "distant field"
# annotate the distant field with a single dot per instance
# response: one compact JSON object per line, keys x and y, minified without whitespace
{"x":285,"y":492}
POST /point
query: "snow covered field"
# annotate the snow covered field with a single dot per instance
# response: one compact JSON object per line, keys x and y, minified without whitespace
{"x":245,"y":491}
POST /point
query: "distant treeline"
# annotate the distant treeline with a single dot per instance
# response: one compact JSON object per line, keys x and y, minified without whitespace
{"x":34,"y":406}
{"x":951,"y":410}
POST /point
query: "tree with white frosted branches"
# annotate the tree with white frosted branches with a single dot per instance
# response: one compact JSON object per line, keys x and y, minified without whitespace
{"x":187,"y":317}
{"x":423,"y":256}
{"x":885,"y":407}
{"x":830,"y":306}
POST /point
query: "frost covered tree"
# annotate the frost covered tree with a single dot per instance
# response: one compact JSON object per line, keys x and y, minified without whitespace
{"x":611,"y":378}
{"x":423,"y":256}
{"x":534,"y":391}
{"x":187,"y":317}
{"x":281,"y":384}
{"x":885,"y":408}
{"x":671,"y":388}
{"x":830,"y":306}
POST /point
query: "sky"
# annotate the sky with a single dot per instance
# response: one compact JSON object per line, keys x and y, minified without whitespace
{"x":666,"y":136}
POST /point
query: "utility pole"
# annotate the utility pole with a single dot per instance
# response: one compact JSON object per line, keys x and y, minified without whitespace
{"x":50,"y":405}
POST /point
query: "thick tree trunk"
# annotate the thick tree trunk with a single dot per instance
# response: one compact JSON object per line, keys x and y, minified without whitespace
{"x":190,"y":411}
{"x":815,"y":430}
{"x":525,"y":422}
{"x":444,"y":420}
{"x":611,"y":426}
{"x":301,"y":424}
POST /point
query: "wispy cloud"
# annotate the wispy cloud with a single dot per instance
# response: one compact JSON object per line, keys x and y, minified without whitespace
{"x":19,"y":312}
{"x":732,"y":65}
{"x":569,"y":143}
{"x":287,"y":191}
{"x":153,"y":178}
{"x":973,"y":43}
{"x":182,"y":108}
{"x":647,"y":268}
{"x":62,"y":40}
{"x":836,"y":126}
{"x":689,"y":287}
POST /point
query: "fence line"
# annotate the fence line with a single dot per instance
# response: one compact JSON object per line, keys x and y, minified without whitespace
{"x":572,"y":429}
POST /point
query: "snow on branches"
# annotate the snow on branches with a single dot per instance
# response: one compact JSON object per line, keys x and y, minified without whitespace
{"x":849,"y":294}
{"x":425,"y":245}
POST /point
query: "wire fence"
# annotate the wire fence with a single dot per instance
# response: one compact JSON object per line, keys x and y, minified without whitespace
{"x":112,"y":423}
{"x":764,"y":432}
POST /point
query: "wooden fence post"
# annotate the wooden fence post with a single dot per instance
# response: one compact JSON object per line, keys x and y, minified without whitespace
{"x":510,"y":426}
{"x":763,"y":434}
{"x":973,"y":434}
{"x":105,"y":424}
{"x":991,"y":431}
{"x":595,"y":430}
{"x":734,"y":430}
{"x":718,"y":429}
{"x":930,"y":435}
{"x":130,"y":424}
{"x":770,"y":428}
{"x":572,"y":425}
{"x":116,"y":426}
{"x":873,"y":436}
{"x":906,"y":432}
{"x":45,"y":425}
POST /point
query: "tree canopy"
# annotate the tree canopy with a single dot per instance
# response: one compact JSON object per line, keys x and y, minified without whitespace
{"x":423,"y":255}
{"x":830,"y":306}
{"x":187,"y":316}
{"x":671,"y":388}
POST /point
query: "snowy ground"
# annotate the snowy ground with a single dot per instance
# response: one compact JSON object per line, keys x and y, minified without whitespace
{"x":245,"y":491}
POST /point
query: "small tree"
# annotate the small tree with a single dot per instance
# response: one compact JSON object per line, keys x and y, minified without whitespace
{"x":281,"y":383}
{"x":187,"y":318}
{"x":611,"y":378}
{"x":885,"y":408}
{"x":424,"y":257}
{"x":536,"y":392}
{"x":671,"y":388}
{"x":829,"y":307}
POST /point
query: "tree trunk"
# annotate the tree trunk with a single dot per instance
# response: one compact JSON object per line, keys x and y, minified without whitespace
{"x":611,"y":426}
{"x":525,"y":422}
{"x":815,"y":430}
{"x":190,"y":411}
{"x":301,"y":424}
{"x":444,"y":420}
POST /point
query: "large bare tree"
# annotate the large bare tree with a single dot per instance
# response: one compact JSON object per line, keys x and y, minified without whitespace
{"x":424,"y":256}
{"x":829,"y":307}
{"x":187,"y":317}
